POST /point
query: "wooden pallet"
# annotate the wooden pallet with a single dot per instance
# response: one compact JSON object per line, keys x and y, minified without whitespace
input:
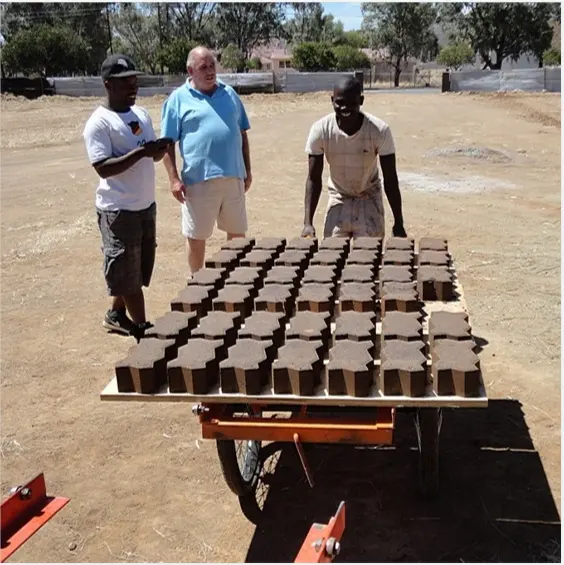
{"x":321,"y":397}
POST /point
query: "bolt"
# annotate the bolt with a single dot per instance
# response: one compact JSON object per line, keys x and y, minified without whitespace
{"x":332,"y":547}
{"x":25,"y":493}
{"x":317,"y":544}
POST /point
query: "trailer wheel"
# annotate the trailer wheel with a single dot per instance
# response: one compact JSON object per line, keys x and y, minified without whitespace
{"x":240,"y":463}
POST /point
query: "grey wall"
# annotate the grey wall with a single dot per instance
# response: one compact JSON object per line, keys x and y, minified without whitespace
{"x":527,"y":80}
{"x":312,"y":82}
{"x":243,"y":83}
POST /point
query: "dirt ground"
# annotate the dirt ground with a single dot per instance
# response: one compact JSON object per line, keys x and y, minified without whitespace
{"x":143,"y":488}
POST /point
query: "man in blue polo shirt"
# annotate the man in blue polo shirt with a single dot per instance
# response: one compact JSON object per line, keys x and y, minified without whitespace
{"x":209,"y":121}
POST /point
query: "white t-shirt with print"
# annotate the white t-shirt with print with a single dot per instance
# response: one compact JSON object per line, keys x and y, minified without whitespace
{"x":352,"y":159}
{"x":113,"y":134}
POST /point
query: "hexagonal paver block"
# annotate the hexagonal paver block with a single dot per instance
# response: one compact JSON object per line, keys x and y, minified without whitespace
{"x":455,"y":368}
{"x":316,"y":298}
{"x":235,"y":298}
{"x":196,"y":299}
{"x":435,"y":283}
{"x":196,"y":369}
{"x":359,"y":297}
{"x":264,"y":326}
{"x":433,"y":244}
{"x":403,"y":369}
{"x":143,"y":370}
{"x":276,"y":298}
{"x":297,"y":370}
{"x":247,"y":367}
{"x":350,"y":371}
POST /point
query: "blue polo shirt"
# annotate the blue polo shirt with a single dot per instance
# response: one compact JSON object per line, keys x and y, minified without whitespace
{"x":209,"y":131}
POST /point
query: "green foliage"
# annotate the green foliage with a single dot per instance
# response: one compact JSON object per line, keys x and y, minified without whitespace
{"x":348,"y":58}
{"x":456,"y":55}
{"x":404,"y":30}
{"x":505,"y":30}
{"x":312,"y":57}
{"x":87,"y":20}
{"x":356,"y":38}
{"x":233,"y":58}
{"x":247,"y":25}
{"x":136,"y":28}
{"x":254,"y":64}
{"x":552,"y":57}
{"x":46,"y":51}
{"x":191,"y":20}
{"x":174,"y":54}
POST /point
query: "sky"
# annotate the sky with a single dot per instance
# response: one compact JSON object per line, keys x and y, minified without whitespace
{"x":348,"y":12}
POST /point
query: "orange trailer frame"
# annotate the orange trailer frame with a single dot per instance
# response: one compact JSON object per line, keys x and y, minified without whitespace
{"x":219,"y":423}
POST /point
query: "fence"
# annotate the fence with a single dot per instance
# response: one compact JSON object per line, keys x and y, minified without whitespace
{"x":29,"y":87}
{"x":243,"y":83}
{"x":308,"y":82}
{"x":527,"y":80}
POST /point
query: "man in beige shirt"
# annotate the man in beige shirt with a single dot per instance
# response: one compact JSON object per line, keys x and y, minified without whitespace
{"x":352,"y":142}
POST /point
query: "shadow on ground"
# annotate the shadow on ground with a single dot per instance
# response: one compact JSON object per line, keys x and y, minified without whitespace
{"x":494,"y":504}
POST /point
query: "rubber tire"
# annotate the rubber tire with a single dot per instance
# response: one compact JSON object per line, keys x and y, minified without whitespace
{"x":227,"y":453}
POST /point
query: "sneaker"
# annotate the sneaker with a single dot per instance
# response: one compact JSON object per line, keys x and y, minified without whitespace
{"x":139,"y":330}
{"x":117,"y":321}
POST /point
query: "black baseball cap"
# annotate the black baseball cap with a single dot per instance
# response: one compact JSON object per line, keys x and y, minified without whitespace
{"x":118,"y":66}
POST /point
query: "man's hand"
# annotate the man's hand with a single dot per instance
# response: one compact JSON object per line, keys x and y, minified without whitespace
{"x":248,"y":181}
{"x":178,"y":190}
{"x":399,"y":231}
{"x":160,"y":154}
{"x":308,"y":231}
{"x":154,"y":149}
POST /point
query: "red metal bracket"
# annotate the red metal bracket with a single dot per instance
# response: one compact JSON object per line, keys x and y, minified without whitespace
{"x":323,"y":542}
{"x":24,"y":512}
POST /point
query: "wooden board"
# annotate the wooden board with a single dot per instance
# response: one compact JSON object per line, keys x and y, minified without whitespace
{"x":321,"y":397}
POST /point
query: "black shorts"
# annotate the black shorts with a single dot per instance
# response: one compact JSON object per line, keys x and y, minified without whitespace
{"x":129,"y":241}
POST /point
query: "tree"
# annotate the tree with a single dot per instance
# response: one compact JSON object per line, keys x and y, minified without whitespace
{"x":313,"y":57}
{"x":192,"y":20}
{"x":88,"y":20}
{"x":355,"y":38}
{"x":456,"y":55}
{"x":500,"y":30}
{"x":233,"y":58}
{"x":45,"y":50}
{"x":136,"y":27}
{"x":248,"y":25}
{"x":174,"y":54}
{"x":538,"y":30}
{"x":308,"y":22}
{"x":552,"y":57}
{"x":403,"y":30}
{"x":333,"y":31}
{"x":348,"y":58}
{"x":254,"y":64}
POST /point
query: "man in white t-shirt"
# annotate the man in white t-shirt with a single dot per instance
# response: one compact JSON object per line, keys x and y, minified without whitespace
{"x":122,"y":147}
{"x":352,"y":142}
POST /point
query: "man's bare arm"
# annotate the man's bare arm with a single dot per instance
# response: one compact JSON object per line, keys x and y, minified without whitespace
{"x":176,"y":186}
{"x":116,"y":165}
{"x":169,"y":161}
{"x":314,"y":184}
{"x":247,"y":159}
{"x":391,"y":187}
{"x":246,"y":151}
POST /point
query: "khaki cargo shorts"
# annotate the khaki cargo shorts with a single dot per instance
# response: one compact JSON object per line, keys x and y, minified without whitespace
{"x":220,"y":200}
{"x":354,"y":217}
